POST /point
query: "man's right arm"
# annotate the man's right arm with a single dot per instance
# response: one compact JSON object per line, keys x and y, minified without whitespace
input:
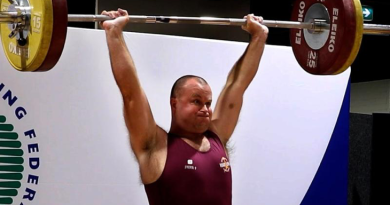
{"x":146,"y":138}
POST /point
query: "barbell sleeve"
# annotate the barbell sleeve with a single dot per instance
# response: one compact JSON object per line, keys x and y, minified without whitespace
{"x":376,"y":29}
{"x":10,"y":17}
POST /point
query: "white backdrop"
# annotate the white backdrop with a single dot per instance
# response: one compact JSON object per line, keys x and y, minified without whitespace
{"x":285,"y":125}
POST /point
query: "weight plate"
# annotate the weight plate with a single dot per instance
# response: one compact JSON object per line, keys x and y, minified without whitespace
{"x":342,"y":44}
{"x":46,"y":33}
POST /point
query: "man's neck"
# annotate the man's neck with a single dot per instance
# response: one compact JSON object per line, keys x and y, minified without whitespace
{"x":198,"y":141}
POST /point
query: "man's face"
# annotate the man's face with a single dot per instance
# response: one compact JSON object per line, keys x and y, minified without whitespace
{"x":192,"y":107}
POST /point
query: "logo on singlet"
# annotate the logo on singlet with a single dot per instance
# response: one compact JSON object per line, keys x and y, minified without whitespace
{"x":190,"y":165}
{"x":225,"y":165}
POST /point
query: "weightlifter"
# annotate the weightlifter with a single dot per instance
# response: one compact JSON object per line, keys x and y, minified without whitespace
{"x":189,"y":164}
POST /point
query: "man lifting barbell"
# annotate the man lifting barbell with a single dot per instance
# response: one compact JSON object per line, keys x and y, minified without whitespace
{"x":325,"y":38}
{"x":189,"y":164}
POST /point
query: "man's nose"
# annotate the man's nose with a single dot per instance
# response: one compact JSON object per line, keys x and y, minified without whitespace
{"x":204,"y":108}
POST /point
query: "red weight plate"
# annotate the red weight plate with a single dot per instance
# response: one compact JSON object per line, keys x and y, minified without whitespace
{"x":60,"y":27}
{"x":334,"y":55}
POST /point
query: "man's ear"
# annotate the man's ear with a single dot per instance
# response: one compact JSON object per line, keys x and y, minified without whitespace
{"x":173,"y":103}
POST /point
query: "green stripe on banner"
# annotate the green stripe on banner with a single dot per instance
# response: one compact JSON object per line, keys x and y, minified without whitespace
{"x":11,"y":152}
{"x":6,"y":200}
{"x":8,"y":135}
{"x":8,"y":192}
{"x":6,"y":127}
{"x":10,"y":144}
{"x":12,"y":160}
{"x":2,"y":118}
{"x":11,"y":168}
{"x":12,"y":176}
{"x":10,"y":184}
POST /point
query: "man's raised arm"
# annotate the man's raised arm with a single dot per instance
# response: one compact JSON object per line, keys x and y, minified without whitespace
{"x":138,"y":116}
{"x":230,"y":100}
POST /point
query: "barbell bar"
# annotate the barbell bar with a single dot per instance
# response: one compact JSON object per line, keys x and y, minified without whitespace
{"x":367,"y":28}
{"x":192,"y":20}
{"x":12,"y":17}
{"x":316,"y":27}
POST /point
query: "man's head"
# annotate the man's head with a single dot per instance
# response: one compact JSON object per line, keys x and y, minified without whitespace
{"x":191,"y":98}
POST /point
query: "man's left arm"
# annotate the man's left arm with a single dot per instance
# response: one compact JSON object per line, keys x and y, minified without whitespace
{"x":230,"y":100}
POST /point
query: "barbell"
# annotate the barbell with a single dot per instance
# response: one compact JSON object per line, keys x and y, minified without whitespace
{"x":325,"y":35}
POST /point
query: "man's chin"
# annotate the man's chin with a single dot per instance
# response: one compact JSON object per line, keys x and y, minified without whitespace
{"x":203,"y":127}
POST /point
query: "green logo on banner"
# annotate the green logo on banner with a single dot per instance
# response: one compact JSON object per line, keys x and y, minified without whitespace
{"x":18,"y":154}
{"x":368,"y":13}
{"x":11,"y":162}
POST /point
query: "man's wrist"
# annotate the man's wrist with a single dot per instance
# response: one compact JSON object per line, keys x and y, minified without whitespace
{"x":113,"y":30}
{"x":259,"y":38}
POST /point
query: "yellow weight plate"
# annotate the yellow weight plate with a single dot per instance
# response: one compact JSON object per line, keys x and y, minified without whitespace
{"x":30,"y":56}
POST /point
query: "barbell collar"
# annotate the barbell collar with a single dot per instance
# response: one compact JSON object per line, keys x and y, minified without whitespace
{"x":14,"y":2}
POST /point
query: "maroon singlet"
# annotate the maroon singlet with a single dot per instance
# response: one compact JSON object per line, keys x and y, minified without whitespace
{"x":191,"y":177}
